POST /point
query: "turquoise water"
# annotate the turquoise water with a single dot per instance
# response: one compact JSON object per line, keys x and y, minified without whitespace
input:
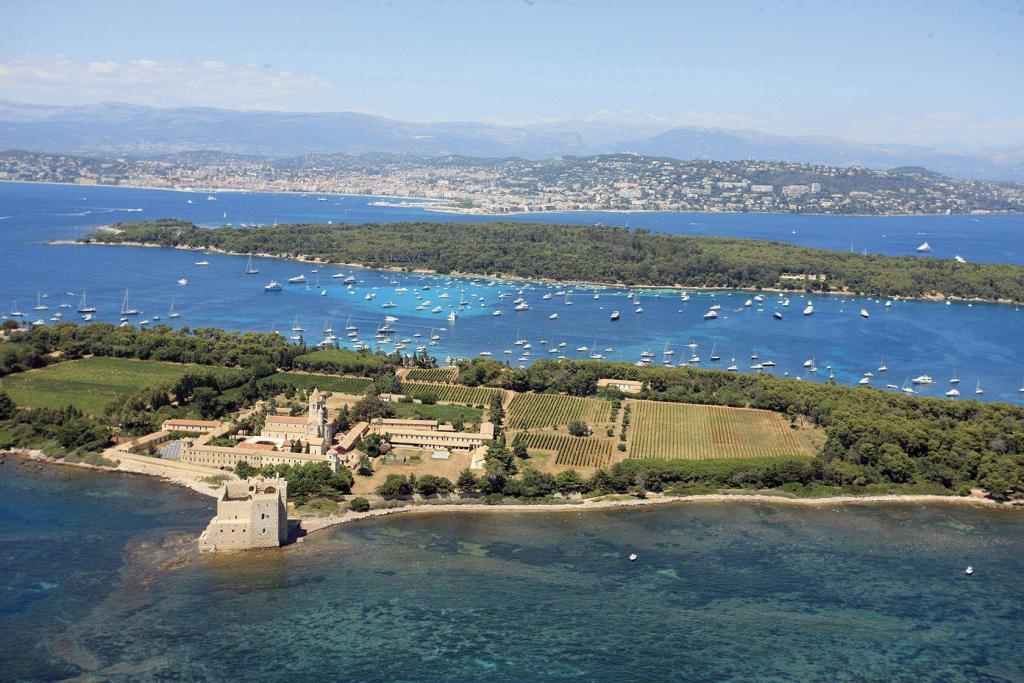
{"x":980,"y":343}
{"x":99,"y":578}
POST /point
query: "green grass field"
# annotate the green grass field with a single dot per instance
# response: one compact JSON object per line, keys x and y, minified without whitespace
{"x":90,"y":384}
{"x":439,"y":412}
{"x":343,"y":385}
{"x":696,"y":432}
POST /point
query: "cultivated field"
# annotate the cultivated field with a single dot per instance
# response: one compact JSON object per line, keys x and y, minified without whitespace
{"x":527,"y":411}
{"x":441,"y":412}
{"x":356,"y":386}
{"x":433,"y":374}
{"x":90,"y":384}
{"x":571,"y":451}
{"x":696,"y":432}
{"x":452,"y":393}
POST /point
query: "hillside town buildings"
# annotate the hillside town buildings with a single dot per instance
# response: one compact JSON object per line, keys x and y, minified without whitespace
{"x":622,"y":182}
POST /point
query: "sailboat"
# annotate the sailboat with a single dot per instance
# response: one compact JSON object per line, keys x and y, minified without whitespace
{"x":173,"y":313}
{"x":125,"y":310}
{"x":714,"y":356}
{"x":249,"y":270}
{"x":83,"y":307}
{"x":978,"y":391}
{"x":954,"y":379}
{"x":40,"y":306}
{"x":15,"y":313}
{"x":733,"y":367}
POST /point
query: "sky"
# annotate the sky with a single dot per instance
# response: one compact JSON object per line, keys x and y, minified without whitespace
{"x":938,"y":72}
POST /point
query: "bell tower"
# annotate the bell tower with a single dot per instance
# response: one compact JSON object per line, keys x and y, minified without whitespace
{"x":316,"y":418}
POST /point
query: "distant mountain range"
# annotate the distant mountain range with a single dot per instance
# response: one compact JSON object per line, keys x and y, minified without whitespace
{"x":126,"y":129}
{"x":735,"y":145}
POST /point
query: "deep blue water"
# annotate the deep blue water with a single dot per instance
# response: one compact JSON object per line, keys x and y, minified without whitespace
{"x":979,"y":343}
{"x":100,"y":578}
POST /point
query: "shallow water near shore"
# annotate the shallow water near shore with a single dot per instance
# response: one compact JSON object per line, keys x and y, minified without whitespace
{"x":100,"y":577}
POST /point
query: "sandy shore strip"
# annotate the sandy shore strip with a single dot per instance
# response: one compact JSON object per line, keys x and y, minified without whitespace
{"x":167,"y":471}
{"x":191,"y":477}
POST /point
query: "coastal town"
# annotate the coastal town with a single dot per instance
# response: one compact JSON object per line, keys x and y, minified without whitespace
{"x":619,"y":182}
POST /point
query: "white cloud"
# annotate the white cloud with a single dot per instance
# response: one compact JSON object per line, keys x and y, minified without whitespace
{"x":56,"y":79}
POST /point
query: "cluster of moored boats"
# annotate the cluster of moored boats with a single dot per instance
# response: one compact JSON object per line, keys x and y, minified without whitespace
{"x":438,"y":297}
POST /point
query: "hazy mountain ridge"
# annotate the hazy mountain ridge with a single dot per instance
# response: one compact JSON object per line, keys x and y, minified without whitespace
{"x":115,"y":128}
{"x":737,"y":145}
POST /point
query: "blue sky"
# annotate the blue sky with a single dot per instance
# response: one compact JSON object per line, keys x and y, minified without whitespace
{"x":936,"y":72}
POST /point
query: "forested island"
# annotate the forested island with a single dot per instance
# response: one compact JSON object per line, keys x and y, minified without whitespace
{"x":598,"y":254}
{"x":874,"y":441}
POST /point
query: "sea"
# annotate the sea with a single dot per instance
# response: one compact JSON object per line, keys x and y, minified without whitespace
{"x":977,"y":344}
{"x":100,"y":580}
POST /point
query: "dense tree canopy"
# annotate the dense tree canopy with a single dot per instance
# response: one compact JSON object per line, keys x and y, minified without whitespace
{"x":594,"y":254}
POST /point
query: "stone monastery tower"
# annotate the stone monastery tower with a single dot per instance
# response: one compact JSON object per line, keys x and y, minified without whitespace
{"x":318,"y":427}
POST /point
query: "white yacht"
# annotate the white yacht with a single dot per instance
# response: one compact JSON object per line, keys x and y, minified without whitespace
{"x":272,"y":286}
{"x":298,"y":279}
{"x":923,"y":379}
{"x":711,"y":315}
{"x":924,"y":248}
{"x":864,"y":313}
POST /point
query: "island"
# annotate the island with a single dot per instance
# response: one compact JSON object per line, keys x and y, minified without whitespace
{"x":344,"y":434}
{"x":596,"y":254}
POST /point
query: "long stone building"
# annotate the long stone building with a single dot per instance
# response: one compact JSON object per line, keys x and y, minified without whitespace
{"x":431,"y":434}
{"x":313,"y":432}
